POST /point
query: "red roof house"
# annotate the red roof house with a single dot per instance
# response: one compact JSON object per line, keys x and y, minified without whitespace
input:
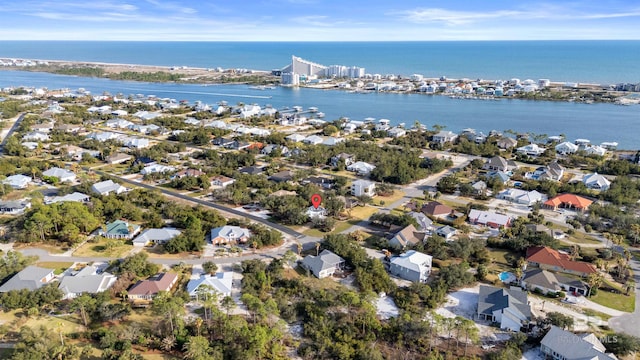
{"x":549,"y":259}
{"x":569,"y":201}
{"x":148,"y":289}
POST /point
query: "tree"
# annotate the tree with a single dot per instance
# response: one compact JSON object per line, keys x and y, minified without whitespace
{"x":560,"y":320}
{"x":84,"y":304}
{"x":198,"y":348}
{"x":289,"y":257}
{"x":448,"y":184}
{"x":594,"y":280}
{"x":228,"y":304}
{"x":330,"y":130}
{"x":209,"y":267}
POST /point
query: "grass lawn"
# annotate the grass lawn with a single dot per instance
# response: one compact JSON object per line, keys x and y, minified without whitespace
{"x":388,"y":200}
{"x":343,"y":173}
{"x":501,"y":261}
{"x":582,"y":238}
{"x":362,"y":212}
{"x":615,"y":300}
{"x":103,"y":248}
{"x":147,"y":356}
{"x":340,"y":226}
{"x":58,"y":266}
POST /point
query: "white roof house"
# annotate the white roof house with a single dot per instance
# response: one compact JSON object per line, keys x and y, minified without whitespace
{"x":73,"y":197}
{"x":18,"y":181}
{"x":220,"y":283}
{"x":296,"y":137}
{"x":118,"y":123}
{"x":595,"y":150}
{"x":313,"y":212}
{"x":412,"y":265}
{"x":566,"y":148}
{"x":156,"y":168}
{"x":444,"y":137}
{"x":62,"y":174}
{"x":522,"y":197}
{"x":363,"y":187}
{"x":106,"y":187}
{"x":138,"y":143}
{"x":361,"y":168}
{"x":313,"y":140}
{"x":489,"y":218}
{"x":36,"y":136}
{"x":596,"y":181}
{"x":88,"y":280}
{"x":332,"y":141}
{"x":155,"y":236}
{"x":31,"y":278}
{"x":562,"y":344}
{"x":531,"y":149}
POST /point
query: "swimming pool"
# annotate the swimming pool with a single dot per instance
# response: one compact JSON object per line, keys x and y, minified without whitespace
{"x":506,"y":277}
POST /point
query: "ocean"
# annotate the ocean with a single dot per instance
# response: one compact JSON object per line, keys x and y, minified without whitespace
{"x":601,"y":62}
{"x":577,"y":61}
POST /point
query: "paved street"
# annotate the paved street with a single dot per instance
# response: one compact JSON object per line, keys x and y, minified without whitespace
{"x":630,"y":323}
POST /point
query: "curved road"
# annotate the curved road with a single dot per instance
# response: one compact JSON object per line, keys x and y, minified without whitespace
{"x":630,"y":323}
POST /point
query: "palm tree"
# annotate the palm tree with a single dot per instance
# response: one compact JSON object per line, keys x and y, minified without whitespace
{"x":299,"y":247}
{"x":317,"y":248}
{"x":629,"y":285}
{"x":634,"y":231}
{"x":594,"y":280}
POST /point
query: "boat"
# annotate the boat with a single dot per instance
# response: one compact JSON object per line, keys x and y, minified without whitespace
{"x":313,"y":109}
{"x":320,"y":114}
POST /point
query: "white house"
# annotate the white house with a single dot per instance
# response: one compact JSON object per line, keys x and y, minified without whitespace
{"x":107,"y":187}
{"x":156,"y":168}
{"x":566,"y":148}
{"x":63,"y":175}
{"x":296,"y":137}
{"x":222,"y":181}
{"x":444,"y":137}
{"x":36,"y":136}
{"x":559,"y":344}
{"x":363,"y":187}
{"x":488,"y":218}
{"x":507,"y":307}
{"x":89,"y":280}
{"x":155,"y":236}
{"x":412,"y":265}
{"x":18,"y":181}
{"x":118,"y":124}
{"x":220,"y":283}
{"x":596,"y":181}
{"x":531,"y":150}
{"x":523,"y":197}
{"x":313,"y":140}
{"x":361,"y":168}
{"x":595,"y":150}
{"x":319,"y":212}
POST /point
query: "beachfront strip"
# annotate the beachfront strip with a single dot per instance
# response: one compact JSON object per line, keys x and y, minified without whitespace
{"x":404,"y":209}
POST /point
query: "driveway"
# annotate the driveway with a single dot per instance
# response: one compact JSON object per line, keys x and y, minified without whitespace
{"x":629,"y":324}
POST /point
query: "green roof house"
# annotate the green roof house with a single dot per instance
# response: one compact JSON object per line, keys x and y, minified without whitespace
{"x":119,"y":229}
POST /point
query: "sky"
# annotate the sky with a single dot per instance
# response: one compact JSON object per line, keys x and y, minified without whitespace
{"x":319,"y":20}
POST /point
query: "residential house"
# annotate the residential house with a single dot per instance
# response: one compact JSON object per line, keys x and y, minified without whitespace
{"x":136,"y":143}
{"x":488,"y":218}
{"x":118,"y":158}
{"x":313,"y":140}
{"x":324,"y":265}
{"x":566,"y":148}
{"x":119,"y":229}
{"x":596,"y":181}
{"x":507,"y":143}
{"x":498,"y":163}
{"x":553,"y":171}
{"x":222,"y":181}
{"x":89,"y":280}
{"x":144,"y":160}
{"x":547,"y":282}
{"x":363,"y":187}
{"x":531,"y":150}
{"x":549,"y":259}
{"x":149,"y":288}
{"x":332,"y":141}
{"x":155,"y":236}
{"x":238,"y":145}
{"x":396,"y":132}
{"x":559,"y":344}
{"x":479,"y":187}
{"x":523,"y":197}
{"x":348,"y":159}
{"x":73,"y":197}
{"x":446,"y":231}
{"x":69,"y":128}
{"x":222,"y":141}
{"x":63,"y":175}
{"x":568,"y":201}
{"x":425,"y":224}
{"x":361,"y":168}
{"x":187,"y":173}
{"x":18,"y":181}
{"x":269,"y":149}
{"x":444,"y":137}
{"x":229,"y":235}
{"x":595,"y":150}
{"x":43,"y":128}
{"x":156,"y":168}
{"x":15,"y":207}
{"x":407,"y":237}
{"x":500,"y":176}
{"x":323,"y":182}
{"x":411,"y":265}
{"x":436,"y":210}
{"x":296,"y":137}
{"x":118,"y":123}
{"x":316,"y":212}
{"x":507,"y":307}
{"x":282,"y":176}
{"x":36,"y":136}
{"x":221,"y":283}
{"x":104,"y":136}
{"x":30,"y":278}
{"x":107,"y":187}
{"x":252,"y":170}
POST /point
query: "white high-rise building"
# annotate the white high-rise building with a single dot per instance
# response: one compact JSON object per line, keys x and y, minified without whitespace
{"x":291,"y":79}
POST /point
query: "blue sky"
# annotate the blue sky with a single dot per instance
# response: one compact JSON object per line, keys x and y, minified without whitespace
{"x":318,"y":20}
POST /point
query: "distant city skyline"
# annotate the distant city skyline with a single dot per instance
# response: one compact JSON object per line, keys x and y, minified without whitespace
{"x":319,"y":20}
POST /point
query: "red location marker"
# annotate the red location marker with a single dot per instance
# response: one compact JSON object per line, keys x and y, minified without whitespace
{"x":316,"y":200}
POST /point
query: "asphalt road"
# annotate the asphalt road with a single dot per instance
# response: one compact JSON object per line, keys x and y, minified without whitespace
{"x":630,"y":323}
{"x":14,"y":127}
